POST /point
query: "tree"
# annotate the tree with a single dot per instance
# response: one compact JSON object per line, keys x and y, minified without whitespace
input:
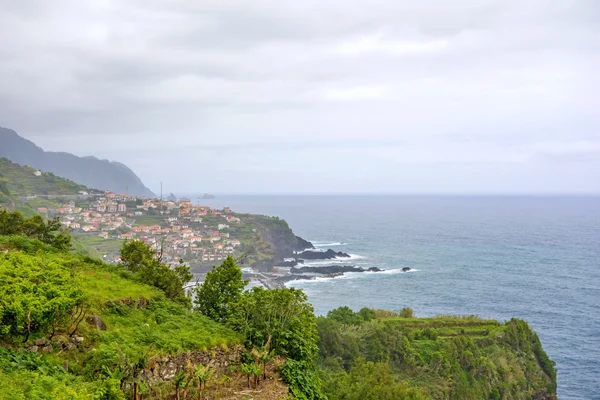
{"x":139,"y":258}
{"x":283,"y":315}
{"x":222,"y":288}
{"x":51,"y":232}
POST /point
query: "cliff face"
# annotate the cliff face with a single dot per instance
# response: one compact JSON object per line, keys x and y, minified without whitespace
{"x":274,"y":240}
{"x":89,"y":171}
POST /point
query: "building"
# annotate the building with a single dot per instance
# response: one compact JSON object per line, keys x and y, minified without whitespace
{"x":38,"y":173}
{"x":122,"y":207}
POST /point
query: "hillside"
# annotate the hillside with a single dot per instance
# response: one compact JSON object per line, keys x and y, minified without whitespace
{"x":75,"y":328}
{"x":446,"y":357}
{"x":89,"y":171}
{"x":18,"y":181}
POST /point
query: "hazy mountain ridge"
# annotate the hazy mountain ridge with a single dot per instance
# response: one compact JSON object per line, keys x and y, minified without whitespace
{"x":90,"y":171}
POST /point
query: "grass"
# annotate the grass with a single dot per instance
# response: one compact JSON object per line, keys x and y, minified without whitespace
{"x":103,"y":286}
{"x":101,"y":245}
{"x":21,"y":181}
{"x":146,"y":220}
{"x":161,"y":328}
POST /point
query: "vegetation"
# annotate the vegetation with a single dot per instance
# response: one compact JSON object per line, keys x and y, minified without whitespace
{"x":138,"y":258}
{"x":21,"y":181}
{"x":50,"y":232}
{"x":221,"y":289}
{"x":18,"y":181}
{"x":364,"y":356}
{"x":272,"y":322}
{"x":48,"y":293}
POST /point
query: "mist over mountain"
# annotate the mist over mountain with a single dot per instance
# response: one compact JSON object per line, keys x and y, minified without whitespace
{"x":89,"y":171}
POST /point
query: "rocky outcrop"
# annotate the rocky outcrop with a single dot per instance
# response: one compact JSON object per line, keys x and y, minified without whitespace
{"x":322,"y":255}
{"x":96,"y":321}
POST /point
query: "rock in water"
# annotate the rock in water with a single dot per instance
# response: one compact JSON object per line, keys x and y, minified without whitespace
{"x":322,"y":255}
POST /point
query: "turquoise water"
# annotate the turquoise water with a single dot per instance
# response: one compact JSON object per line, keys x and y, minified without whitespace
{"x":535,"y":258}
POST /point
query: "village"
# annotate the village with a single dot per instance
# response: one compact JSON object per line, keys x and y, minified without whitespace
{"x":175,"y":229}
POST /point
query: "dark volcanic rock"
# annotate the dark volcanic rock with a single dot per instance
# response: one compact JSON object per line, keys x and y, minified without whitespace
{"x":405,"y":269}
{"x":289,"y":263}
{"x":321,"y":255}
{"x":332,"y":269}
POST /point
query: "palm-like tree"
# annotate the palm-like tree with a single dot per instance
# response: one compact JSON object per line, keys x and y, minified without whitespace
{"x":201,"y":375}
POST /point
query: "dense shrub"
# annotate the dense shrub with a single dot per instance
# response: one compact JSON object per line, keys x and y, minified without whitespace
{"x":37,"y":293}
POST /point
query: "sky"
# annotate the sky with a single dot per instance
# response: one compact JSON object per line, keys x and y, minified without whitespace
{"x":313,"y":96}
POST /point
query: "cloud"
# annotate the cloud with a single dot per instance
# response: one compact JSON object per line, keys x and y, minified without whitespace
{"x":357,"y":93}
{"x":294,"y":89}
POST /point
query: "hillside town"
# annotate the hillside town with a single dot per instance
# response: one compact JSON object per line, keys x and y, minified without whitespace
{"x":175,"y":229}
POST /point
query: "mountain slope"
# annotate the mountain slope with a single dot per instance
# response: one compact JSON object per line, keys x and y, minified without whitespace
{"x":89,"y":171}
{"x":18,"y":181}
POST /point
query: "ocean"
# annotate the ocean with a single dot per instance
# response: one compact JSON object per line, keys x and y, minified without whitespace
{"x":534,"y":258}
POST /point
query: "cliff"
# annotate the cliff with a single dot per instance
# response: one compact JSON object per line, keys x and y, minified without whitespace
{"x":268,"y":240}
{"x":89,"y":171}
{"x":375,"y":354}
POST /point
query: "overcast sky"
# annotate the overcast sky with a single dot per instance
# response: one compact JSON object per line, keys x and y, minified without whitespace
{"x":263,"y":96}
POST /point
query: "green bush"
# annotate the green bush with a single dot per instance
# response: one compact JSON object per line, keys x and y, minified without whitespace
{"x":139,"y":258}
{"x":37,"y":293}
{"x":406,"y":312}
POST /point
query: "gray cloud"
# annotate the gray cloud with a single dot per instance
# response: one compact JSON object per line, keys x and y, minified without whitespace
{"x":385,"y":96}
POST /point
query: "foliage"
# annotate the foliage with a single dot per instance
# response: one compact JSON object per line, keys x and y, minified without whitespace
{"x":14,"y":223}
{"x":222,"y":288}
{"x":345,"y":315}
{"x":139,"y":258}
{"x":302,"y":379}
{"x":442,"y":357}
{"x":367,"y":380}
{"x":282,"y":315}
{"x":406,"y":312}
{"x":36,"y":293}
{"x":161,"y":326}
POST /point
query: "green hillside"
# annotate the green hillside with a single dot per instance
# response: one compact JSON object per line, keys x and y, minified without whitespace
{"x":18,"y":181}
{"x":446,"y":357}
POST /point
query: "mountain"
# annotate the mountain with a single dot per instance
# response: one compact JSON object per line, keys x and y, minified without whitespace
{"x":89,"y":171}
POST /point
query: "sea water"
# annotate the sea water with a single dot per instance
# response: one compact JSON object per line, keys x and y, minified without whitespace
{"x":534,"y":258}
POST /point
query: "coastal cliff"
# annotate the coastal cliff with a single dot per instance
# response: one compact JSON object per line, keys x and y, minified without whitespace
{"x":268,"y":240}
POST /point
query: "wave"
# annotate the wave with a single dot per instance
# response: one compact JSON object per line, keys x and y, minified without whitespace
{"x":348,"y":275}
{"x":335,"y":261}
{"x":327,"y":244}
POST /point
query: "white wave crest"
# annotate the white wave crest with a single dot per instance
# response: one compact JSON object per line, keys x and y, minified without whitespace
{"x":327,"y":244}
